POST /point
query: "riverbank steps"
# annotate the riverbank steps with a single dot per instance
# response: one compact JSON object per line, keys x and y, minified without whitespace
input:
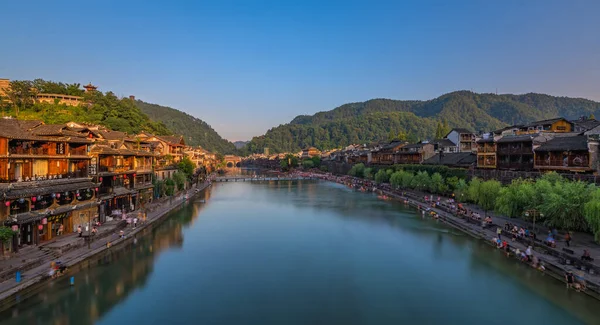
{"x":11,"y":291}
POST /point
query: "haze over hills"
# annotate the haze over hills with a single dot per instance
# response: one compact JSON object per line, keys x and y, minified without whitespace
{"x":240,"y":144}
{"x":375,"y":119}
{"x":195,"y":131}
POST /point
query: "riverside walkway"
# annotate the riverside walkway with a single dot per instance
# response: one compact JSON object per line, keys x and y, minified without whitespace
{"x":34,"y":262}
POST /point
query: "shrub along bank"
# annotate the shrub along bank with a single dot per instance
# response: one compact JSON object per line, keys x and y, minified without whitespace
{"x":551,"y":199}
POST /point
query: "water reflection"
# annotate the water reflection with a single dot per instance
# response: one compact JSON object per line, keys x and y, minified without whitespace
{"x":103,"y":283}
{"x":304,"y":253}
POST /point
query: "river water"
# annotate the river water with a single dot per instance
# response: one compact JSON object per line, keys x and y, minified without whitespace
{"x":303,"y":252}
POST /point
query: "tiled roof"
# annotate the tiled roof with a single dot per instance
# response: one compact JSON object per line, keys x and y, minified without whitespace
{"x":171,"y":139}
{"x":549,"y":121}
{"x":460,"y":130}
{"x":48,"y":129}
{"x":392,"y":145}
{"x":443,"y":142}
{"x":574,"y":143}
{"x":414,"y":145}
{"x":113,"y":135}
{"x":28,"y":189}
{"x":586,"y":125}
{"x":515,"y":138}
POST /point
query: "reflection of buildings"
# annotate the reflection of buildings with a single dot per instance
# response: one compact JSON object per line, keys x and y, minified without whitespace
{"x":107,"y":282}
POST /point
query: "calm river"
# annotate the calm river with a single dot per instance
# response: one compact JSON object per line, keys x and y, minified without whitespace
{"x":303,"y":253}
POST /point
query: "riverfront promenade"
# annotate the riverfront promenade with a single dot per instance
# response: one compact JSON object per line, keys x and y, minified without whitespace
{"x":75,"y":249}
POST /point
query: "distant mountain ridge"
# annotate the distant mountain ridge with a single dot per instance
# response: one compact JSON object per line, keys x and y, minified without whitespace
{"x":195,"y":131}
{"x":240,"y":144}
{"x":375,"y":119}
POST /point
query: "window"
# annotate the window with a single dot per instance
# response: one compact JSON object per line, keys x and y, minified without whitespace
{"x":40,"y":167}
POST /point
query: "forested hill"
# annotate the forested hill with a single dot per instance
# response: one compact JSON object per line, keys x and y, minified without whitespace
{"x":376,"y":119}
{"x":195,"y":131}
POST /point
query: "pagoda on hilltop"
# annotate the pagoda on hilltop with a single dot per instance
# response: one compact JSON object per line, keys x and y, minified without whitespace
{"x":89,"y":88}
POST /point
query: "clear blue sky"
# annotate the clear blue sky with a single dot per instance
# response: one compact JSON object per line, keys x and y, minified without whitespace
{"x":246,"y":66}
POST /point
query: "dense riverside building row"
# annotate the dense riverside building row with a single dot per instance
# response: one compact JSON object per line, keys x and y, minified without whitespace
{"x":73,"y":174}
{"x":566,"y":146}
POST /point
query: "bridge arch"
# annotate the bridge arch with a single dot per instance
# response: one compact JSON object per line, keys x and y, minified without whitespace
{"x":232,"y":161}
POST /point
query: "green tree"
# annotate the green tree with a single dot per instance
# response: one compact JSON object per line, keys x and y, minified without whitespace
{"x":513,"y":200}
{"x":461,"y":190}
{"x":382,"y":176}
{"x":187,"y":167}
{"x":20,"y":94}
{"x":396,"y":179}
{"x":368,"y":173}
{"x":357,"y":170}
{"x":563,"y":205}
{"x":488,"y":192}
{"x":179,"y":179}
{"x":283,"y":163}
{"x":308,"y":164}
{"x":592,"y":213}
{"x":421,"y":181}
{"x":407,"y":179}
{"x":316,"y":161}
{"x":169,"y":185}
{"x":436,"y":184}
{"x":473,"y":190}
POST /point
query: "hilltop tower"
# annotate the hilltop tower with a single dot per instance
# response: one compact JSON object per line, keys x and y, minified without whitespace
{"x":89,"y":88}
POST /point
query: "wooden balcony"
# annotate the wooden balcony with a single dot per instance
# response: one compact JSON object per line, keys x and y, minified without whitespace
{"x":561,"y":164}
{"x":515,"y":151}
{"x":33,"y":178}
{"x":82,"y":151}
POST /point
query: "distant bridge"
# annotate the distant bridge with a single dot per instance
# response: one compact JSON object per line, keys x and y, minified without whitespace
{"x":232,"y":161}
{"x":262,"y":178}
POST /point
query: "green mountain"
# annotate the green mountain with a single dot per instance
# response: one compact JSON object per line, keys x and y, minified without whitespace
{"x":376,"y":119}
{"x":195,"y":131}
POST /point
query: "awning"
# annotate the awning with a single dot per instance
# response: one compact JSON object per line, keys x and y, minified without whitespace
{"x":59,"y":212}
{"x":42,"y":189}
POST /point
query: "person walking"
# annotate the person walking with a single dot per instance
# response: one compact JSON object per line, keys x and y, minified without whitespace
{"x":79,"y":230}
{"x":568,"y":239}
{"x":135,"y":221}
{"x":499,"y":233}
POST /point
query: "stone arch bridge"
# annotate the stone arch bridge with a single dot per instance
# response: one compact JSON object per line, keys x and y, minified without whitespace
{"x":232,"y":161}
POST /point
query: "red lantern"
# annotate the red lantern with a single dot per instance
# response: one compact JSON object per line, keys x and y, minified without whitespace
{"x":7,"y":203}
{"x":114,"y":178}
{"x":33,"y":199}
{"x":44,"y":221}
{"x":15,"y":228}
{"x":40,"y":227}
{"x":100,"y":179}
{"x":133,"y":175}
{"x":96,"y":189}
{"x":58,"y":195}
